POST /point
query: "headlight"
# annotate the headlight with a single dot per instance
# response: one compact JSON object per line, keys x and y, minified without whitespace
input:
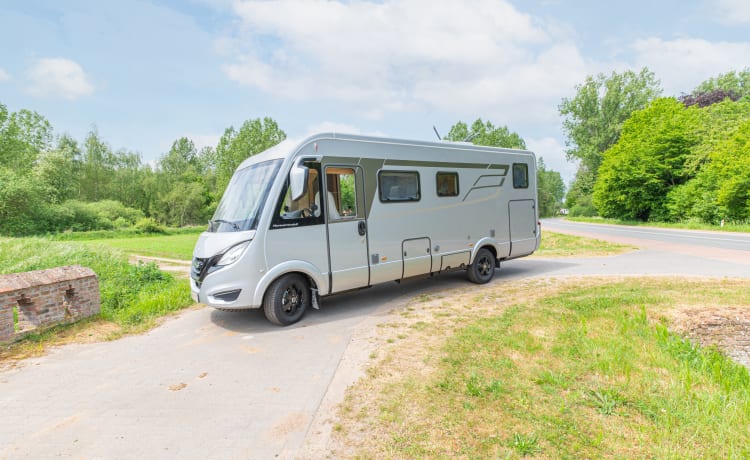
{"x":232,"y":254}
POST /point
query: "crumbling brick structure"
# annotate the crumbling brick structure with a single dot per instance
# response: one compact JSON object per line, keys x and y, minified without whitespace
{"x":34,"y":300}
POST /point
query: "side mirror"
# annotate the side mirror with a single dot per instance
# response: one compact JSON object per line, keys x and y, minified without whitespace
{"x":298,"y":181}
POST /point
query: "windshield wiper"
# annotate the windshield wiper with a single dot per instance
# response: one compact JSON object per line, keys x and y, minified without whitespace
{"x":222,"y":221}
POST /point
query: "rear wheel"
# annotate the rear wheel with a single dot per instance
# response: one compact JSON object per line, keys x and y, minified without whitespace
{"x":483,"y":268}
{"x":287,"y":299}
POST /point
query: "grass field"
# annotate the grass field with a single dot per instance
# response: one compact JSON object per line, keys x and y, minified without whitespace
{"x":561,"y":245}
{"x":168,"y":246}
{"x":551,"y":369}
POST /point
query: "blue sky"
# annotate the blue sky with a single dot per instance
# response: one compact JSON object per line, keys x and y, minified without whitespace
{"x":148,"y":72}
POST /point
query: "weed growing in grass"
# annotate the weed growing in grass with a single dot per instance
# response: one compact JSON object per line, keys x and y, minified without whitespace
{"x":525,"y":444}
{"x":606,"y":401}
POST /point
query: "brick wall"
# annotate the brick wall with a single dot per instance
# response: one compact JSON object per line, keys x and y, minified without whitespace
{"x":43,"y":298}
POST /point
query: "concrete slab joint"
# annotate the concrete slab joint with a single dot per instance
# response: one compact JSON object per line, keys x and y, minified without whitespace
{"x":35,"y":300}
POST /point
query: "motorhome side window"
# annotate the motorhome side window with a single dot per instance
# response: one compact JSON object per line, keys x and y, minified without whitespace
{"x":398,"y":186}
{"x":341,"y":193}
{"x":520,"y":175}
{"x":447,"y":184}
{"x":304,"y":211}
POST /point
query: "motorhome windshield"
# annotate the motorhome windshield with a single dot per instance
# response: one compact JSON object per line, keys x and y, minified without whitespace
{"x":243,"y":200}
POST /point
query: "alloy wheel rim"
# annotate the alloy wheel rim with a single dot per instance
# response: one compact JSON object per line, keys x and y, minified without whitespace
{"x":291,"y":300}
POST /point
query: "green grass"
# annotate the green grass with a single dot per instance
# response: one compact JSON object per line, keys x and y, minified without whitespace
{"x":122,"y":234}
{"x":586,"y":372}
{"x":691,"y":225}
{"x":133,"y":296}
{"x":561,"y":245}
{"x":168,"y":246}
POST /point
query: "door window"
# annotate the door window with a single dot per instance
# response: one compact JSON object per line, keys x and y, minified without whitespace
{"x":341,"y":193}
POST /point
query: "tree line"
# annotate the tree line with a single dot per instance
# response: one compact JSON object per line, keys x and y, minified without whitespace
{"x":642,"y":156}
{"x":51,"y":183}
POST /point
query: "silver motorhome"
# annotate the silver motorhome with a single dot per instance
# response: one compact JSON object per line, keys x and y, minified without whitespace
{"x":341,"y":212}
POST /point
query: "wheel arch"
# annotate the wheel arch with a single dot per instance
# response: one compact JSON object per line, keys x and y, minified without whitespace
{"x":306,"y":269}
{"x":484,"y":243}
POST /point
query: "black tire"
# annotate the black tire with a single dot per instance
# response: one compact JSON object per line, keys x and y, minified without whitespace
{"x":483,"y":268}
{"x":287,"y":299}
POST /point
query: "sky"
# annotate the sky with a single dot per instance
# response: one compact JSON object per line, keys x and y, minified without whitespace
{"x":145,"y":73}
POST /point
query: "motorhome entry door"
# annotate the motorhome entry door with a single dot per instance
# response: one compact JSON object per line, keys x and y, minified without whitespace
{"x":522,"y":217}
{"x":347,"y":228}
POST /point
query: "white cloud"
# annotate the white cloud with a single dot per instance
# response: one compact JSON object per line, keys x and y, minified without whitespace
{"x":58,"y":78}
{"x":473,"y":57}
{"x":684,"y":63}
{"x":4,"y":76}
{"x":734,"y":12}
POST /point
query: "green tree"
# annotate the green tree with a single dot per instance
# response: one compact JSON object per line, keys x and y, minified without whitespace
{"x":734,"y":82}
{"x":182,"y":159}
{"x":58,"y":172}
{"x":647,"y":162}
{"x":23,"y":204}
{"x":550,"y":188}
{"x":97,"y":168}
{"x":720,"y":189}
{"x":184,"y":204}
{"x":485,"y":133}
{"x":23,"y":136}
{"x":183,"y":195}
{"x":253,"y":137}
{"x":593,"y":119}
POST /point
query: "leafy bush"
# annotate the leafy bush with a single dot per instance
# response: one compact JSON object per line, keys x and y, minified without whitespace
{"x":583,"y":208}
{"x":114,"y":210}
{"x":149,"y":225}
{"x":23,"y":208}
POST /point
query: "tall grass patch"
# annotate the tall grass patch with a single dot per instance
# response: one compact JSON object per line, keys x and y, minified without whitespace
{"x":587,"y":372}
{"x":131,"y":295}
{"x":562,"y":245}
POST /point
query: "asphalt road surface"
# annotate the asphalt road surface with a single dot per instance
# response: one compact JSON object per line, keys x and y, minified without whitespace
{"x":212,"y":384}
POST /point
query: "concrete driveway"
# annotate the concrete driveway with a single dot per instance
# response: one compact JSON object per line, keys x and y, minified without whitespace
{"x":212,"y":384}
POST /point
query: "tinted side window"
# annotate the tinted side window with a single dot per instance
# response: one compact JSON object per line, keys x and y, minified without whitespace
{"x":398,"y":186}
{"x":520,"y":175}
{"x":447,"y":184}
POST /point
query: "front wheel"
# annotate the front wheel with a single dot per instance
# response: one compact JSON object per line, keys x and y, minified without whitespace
{"x":286,"y":300}
{"x":483,"y":268}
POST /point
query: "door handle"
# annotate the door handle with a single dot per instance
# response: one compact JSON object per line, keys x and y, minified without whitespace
{"x":362,"y":228}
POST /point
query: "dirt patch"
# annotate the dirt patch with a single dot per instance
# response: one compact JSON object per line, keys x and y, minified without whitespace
{"x":177,"y":267}
{"x":726,"y":328}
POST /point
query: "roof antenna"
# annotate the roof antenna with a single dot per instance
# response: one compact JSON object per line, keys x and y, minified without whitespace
{"x":471,"y":136}
{"x":437,"y":133}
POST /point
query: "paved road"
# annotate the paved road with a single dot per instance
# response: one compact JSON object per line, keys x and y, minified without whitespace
{"x":708,"y":239}
{"x":210,"y":384}
{"x":731,"y":248}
